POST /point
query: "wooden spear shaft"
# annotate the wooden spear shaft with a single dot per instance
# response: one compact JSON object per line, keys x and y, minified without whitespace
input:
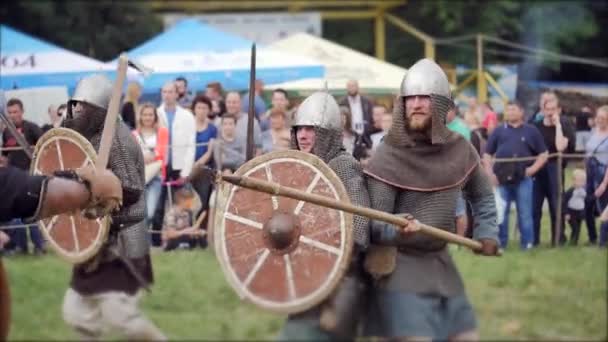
{"x":251,"y":112}
{"x":110,"y":123}
{"x":278,"y":190}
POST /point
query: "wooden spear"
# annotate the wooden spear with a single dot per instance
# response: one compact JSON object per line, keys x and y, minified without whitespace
{"x":103,"y":155}
{"x":278,"y":190}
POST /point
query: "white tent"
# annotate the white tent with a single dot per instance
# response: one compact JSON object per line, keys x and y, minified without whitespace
{"x":341,"y":64}
{"x":203,"y":54}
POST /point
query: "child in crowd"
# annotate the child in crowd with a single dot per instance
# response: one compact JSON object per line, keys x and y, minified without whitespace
{"x":177,"y":228}
{"x":574,"y":204}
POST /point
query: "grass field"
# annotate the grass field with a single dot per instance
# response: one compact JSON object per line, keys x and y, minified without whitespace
{"x":549,"y":294}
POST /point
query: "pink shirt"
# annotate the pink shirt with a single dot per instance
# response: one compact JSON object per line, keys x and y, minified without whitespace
{"x":490,"y":120}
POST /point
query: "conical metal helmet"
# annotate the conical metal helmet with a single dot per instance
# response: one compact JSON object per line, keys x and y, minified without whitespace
{"x":95,"y":90}
{"x":425,"y":78}
{"x":319,"y":110}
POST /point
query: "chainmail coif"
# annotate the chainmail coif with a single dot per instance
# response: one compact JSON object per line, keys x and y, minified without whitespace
{"x":328,"y":146}
{"x":398,"y":134}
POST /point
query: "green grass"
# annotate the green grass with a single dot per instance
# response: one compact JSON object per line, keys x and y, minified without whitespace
{"x":543,"y":294}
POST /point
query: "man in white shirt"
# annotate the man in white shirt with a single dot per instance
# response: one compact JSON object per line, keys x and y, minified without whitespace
{"x":233,"y":107}
{"x":181,"y":151}
{"x":360,"y":108}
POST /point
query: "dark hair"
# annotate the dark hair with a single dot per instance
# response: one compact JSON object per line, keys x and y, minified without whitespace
{"x":217,"y":86}
{"x":228,"y":116}
{"x":13,"y":102}
{"x":183,"y":79}
{"x":515,"y":103}
{"x":349,"y":119}
{"x":184,"y":193}
{"x":282,"y":91}
{"x":201,"y":99}
{"x":128,"y":114}
{"x":556,"y":100}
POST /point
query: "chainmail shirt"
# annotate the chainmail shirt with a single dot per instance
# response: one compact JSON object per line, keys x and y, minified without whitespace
{"x":423,"y":263}
{"x":128,"y":234}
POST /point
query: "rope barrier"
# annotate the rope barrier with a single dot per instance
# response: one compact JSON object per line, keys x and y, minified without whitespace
{"x":18,"y":148}
{"x":551,"y":155}
{"x":24,"y":226}
{"x":499,"y":160}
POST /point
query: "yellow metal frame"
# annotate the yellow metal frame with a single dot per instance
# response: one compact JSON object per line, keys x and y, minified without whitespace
{"x":370,"y":9}
{"x":376,"y":10}
{"x":243,"y":5}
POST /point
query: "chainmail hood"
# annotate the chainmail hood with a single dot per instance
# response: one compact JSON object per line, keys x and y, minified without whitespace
{"x":89,"y":123}
{"x":398,"y":134}
{"x":320,"y":110}
{"x":443,"y":162}
{"x":328,"y":143}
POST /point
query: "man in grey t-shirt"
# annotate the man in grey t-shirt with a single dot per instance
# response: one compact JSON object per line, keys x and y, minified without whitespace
{"x":233,"y":107}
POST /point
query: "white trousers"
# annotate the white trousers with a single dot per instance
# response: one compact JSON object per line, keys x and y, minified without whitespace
{"x":110,"y":312}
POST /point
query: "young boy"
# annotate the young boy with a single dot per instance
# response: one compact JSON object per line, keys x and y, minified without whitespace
{"x":229,"y":148}
{"x":574,"y":204}
{"x":177,"y":228}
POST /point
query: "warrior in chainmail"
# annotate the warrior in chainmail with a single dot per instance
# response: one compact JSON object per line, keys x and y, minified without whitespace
{"x":420,"y":169}
{"x":103,"y":291}
{"x":317,"y":129}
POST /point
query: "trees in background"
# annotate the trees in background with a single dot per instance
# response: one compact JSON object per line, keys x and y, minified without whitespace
{"x":102,"y":29}
{"x":98,"y":29}
{"x":570,"y":27}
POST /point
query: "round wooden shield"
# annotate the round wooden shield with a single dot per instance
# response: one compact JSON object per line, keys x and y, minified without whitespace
{"x":71,"y":235}
{"x":281,"y":254}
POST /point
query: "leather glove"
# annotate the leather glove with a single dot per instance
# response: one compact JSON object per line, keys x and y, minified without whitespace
{"x":489,"y":247}
{"x":105,"y":188}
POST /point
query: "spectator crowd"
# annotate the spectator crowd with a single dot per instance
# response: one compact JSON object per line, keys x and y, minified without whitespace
{"x":210,"y":128}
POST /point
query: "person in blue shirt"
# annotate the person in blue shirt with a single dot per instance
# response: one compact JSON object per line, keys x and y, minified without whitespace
{"x":206,"y":133}
{"x":515,"y":139}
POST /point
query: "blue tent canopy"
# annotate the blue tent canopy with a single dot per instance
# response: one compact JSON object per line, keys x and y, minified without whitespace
{"x":203,"y":54}
{"x":30,"y":62}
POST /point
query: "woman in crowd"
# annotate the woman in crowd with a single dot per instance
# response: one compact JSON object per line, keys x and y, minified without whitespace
{"x":206,"y":133}
{"x":154,"y":140}
{"x":276,"y":138}
{"x":597,"y":175}
{"x":354,"y":143}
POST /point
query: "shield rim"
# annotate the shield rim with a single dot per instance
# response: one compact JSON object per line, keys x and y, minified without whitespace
{"x":104,"y":222}
{"x":225,"y":194}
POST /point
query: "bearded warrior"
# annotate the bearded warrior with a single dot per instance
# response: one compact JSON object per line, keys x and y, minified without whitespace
{"x":317,"y":129}
{"x":420,"y":169}
{"x":103,"y":291}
